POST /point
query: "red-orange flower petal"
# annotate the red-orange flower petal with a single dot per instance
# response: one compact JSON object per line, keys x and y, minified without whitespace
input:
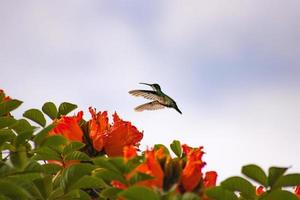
{"x":121,"y":134}
{"x":160,"y":153}
{"x":151,"y":167}
{"x":210,"y":179}
{"x":297,"y":191}
{"x":129,"y":152}
{"x":69,"y":127}
{"x":192,"y":172}
{"x":98,"y":127}
{"x":186,"y":149}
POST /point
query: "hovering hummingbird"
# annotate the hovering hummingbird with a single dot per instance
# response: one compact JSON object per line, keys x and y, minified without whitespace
{"x":159,"y":99}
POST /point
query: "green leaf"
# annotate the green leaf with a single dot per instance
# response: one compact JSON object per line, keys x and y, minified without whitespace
{"x":33,"y":166}
{"x":50,"y":168}
{"x":19,"y":158}
{"x":133,"y":163}
{"x":22,"y":126}
{"x":42,"y":135}
{"x":25,"y":177}
{"x":118,"y":162}
{"x":13,"y":191}
{"x":65,"y":108}
{"x":23,"y":137}
{"x":255,"y":173}
{"x":77,"y":155}
{"x":190,"y":196}
{"x":50,"y":109}
{"x":44,"y":186}
{"x":288,"y":180}
{"x":218,"y":193}
{"x":110,"y":193}
{"x":46,"y":153}
{"x":55,"y":141}
{"x":73,"y":146}
{"x":137,"y":177}
{"x":56,"y":193}
{"x":139,"y":193}
{"x":8,"y":106}
{"x":274,"y":174}
{"x":73,"y":194}
{"x":36,"y":116}
{"x":84,"y":195}
{"x":173,"y":195}
{"x":158,"y":146}
{"x":241,"y":185}
{"x":76,"y":194}
{"x":176,"y":148}
{"x":28,"y":185}
{"x":72,"y":174}
{"x":103,"y":162}
{"x":281,"y":195}
{"x":7,"y":146}
{"x":6,"y":135}
{"x":6,"y":121}
{"x":6,"y":170}
{"x":108,"y":175}
{"x":87,"y":182}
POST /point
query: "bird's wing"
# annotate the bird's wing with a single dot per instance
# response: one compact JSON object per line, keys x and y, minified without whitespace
{"x":151,"y":95}
{"x":154,"y":105}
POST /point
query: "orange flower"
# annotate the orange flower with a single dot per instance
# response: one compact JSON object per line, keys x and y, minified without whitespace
{"x":129,"y":152}
{"x":112,"y":138}
{"x":151,"y":167}
{"x":192,"y":172}
{"x":121,"y":134}
{"x":297,"y":191}
{"x":68,"y":127}
{"x":98,"y":127}
{"x":210,"y":179}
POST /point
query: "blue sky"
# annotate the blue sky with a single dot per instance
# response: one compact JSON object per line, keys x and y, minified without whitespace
{"x":233,"y":68}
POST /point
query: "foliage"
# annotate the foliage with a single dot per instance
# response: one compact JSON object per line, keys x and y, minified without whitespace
{"x":49,"y":154}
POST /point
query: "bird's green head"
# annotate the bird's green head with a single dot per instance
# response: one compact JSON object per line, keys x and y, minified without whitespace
{"x":156,"y":86}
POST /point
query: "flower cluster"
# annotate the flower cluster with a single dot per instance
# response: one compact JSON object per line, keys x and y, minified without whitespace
{"x":110,"y":138}
{"x":121,"y":138}
{"x":185,"y":172}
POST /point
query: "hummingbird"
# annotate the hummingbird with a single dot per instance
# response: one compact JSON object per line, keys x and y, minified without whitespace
{"x":159,"y":99}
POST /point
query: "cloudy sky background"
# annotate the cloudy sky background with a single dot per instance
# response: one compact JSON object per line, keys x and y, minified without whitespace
{"x":232,"y":66}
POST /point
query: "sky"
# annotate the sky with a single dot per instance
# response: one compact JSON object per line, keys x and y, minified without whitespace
{"x":233,"y":67}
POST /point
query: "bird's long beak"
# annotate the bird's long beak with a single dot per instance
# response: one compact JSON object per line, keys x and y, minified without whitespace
{"x":146,"y":84}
